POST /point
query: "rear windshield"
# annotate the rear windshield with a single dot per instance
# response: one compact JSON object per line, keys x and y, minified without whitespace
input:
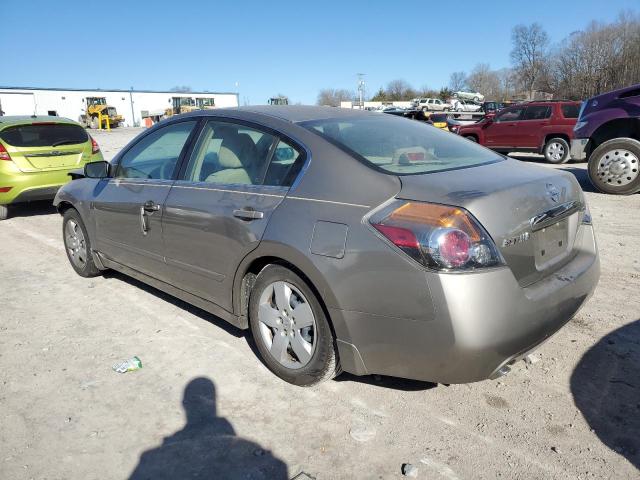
{"x":44,"y":135}
{"x":401,"y":146}
{"x":570,"y":110}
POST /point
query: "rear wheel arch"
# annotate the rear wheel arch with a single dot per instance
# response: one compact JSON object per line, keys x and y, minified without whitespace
{"x":251,"y":267}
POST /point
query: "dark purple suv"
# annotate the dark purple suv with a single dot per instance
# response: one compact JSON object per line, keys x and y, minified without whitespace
{"x":608,"y":135}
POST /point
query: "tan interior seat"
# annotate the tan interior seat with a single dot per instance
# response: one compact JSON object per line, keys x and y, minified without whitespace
{"x":236,"y":159}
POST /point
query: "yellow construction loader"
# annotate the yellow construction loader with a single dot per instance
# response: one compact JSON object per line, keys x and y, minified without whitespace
{"x":97,"y":111}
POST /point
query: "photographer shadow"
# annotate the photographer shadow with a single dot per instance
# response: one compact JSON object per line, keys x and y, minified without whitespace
{"x":207,"y":447}
{"x":606,"y":389}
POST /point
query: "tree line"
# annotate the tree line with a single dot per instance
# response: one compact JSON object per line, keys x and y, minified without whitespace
{"x":602,"y":57}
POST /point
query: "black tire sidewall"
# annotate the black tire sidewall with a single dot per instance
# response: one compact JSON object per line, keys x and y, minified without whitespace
{"x":599,"y":152}
{"x":323,"y":356}
{"x":564,"y":143}
{"x":89,"y":269}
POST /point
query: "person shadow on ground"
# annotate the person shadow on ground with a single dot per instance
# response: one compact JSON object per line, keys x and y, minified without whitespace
{"x":207,"y":447}
{"x":606,"y":389}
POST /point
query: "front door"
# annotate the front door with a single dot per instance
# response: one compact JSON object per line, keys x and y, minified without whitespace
{"x":502,"y":132}
{"x":217,"y":211}
{"x":129,"y":207}
{"x":535,"y":118}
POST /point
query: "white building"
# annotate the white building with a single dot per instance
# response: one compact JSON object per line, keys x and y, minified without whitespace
{"x":71,"y":102}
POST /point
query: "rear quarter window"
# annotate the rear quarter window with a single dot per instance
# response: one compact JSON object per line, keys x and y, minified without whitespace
{"x":44,"y":135}
{"x":570,"y":111}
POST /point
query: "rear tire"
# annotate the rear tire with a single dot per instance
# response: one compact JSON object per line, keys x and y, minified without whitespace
{"x":280,"y":303}
{"x":614,"y":167}
{"x":4,"y":212}
{"x":556,"y":150}
{"x":78,"y":245}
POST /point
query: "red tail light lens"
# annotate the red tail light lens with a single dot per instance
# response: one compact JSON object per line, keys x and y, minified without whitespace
{"x":4,"y":155}
{"x":5,"y":189}
{"x":95,"y":148}
{"x":441,"y":237}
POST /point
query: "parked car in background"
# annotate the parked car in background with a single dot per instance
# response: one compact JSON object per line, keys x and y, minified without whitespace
{"x":36,"y":155}
{"x":465,"y":106}
{"x":439,"y":120}
{"x":433,"y":105}
{"x":544,"y":127}
{"x":608,"y":135}
{"x":475,"y":96}
{"x":395,"y":251}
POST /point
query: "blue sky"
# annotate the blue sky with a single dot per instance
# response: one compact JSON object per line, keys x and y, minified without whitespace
{"x":290,"y":47}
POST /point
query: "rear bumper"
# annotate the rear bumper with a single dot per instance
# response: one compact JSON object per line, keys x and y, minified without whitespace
{"x":482,"y":322}
{"x":579,"y":148}
{"x":28,"y":187}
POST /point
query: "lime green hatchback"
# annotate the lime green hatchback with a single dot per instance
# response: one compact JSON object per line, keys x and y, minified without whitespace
{"x":36,"y":155}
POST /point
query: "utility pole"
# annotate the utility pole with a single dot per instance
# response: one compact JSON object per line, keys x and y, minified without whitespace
{"x":133,"y":115}
{"x":361,"y":85}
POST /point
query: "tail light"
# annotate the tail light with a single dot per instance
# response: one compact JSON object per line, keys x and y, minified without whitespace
{"x":5,"y":189}
{"x":441,"y":237}
{"x":4,"y":155}
{"x":95,"y":148}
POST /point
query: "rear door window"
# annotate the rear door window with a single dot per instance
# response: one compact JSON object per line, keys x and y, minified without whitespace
{"x":537,"y":112}
{"x":44,"y":135}
{"x":570,"y":110}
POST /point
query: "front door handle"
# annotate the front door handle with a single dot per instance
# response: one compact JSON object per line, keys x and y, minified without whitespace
{"x":248,"y":214}
{"x":151,"y":206}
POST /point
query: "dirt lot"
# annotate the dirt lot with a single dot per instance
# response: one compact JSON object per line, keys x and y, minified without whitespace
{"x":203,"y":406}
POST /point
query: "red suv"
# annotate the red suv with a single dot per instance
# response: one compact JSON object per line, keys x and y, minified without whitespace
{"x":540,"y":127}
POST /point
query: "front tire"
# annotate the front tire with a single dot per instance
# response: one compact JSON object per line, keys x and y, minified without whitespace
{"x":4,"y":212}
{"x":291,"y":332}
{"x":471,"y":138}
{"x":614,"y":166}
{"x":556,"y":150}
{"x":78,"y":245}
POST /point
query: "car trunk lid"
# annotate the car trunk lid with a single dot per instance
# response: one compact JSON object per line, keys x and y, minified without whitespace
{"x":46,"y":146}
{"x":532,"y":213}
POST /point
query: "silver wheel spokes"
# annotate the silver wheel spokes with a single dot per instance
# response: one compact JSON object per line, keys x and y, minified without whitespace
{"x":75,"y":243}
{"x":618,"y":167}
{"x":556,"y":151}
{"x":287,"y":324}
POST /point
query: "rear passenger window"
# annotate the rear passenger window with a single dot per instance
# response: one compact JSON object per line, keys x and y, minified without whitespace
{"x":570,"y":111}
{"x":284,"y":166}
{"x":537,"y":112}
{"x":234,"y":154}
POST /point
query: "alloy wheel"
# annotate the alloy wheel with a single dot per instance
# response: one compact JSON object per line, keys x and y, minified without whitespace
{"x":556,"y":151}
{"x":76,"y":245}
{"x":618,"y":167}
{"x":287,"y":324}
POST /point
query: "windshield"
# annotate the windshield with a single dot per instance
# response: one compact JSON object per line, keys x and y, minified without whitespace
{"x":401,"y":146}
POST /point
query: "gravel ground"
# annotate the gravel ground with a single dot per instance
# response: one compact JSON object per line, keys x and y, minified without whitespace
{"x":203,"y":406}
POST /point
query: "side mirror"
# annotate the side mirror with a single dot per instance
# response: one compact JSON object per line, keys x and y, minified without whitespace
{"x":97,"y":169}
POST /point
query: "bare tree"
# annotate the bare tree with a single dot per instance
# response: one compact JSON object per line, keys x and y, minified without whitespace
{"x":334,"y":96}
{"x":399,"y":90}
{"x":530,"y":44}
{"x":458,"y":81}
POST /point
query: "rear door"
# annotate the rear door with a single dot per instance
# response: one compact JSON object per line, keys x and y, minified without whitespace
{"x":46,"y":146}
{"x":128,"y":208}
{"x":502,"y":131}
{"x":531,"y":127}
{"x":218,"y":209}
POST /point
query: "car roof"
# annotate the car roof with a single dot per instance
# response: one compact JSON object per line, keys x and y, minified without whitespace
{"x":12,"y":120}
{"x":290,"y":113}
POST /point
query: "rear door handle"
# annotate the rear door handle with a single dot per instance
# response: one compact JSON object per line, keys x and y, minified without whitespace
{"x":247,"y":214}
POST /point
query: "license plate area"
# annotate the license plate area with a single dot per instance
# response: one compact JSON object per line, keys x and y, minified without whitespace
{"x":551,"y":244}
